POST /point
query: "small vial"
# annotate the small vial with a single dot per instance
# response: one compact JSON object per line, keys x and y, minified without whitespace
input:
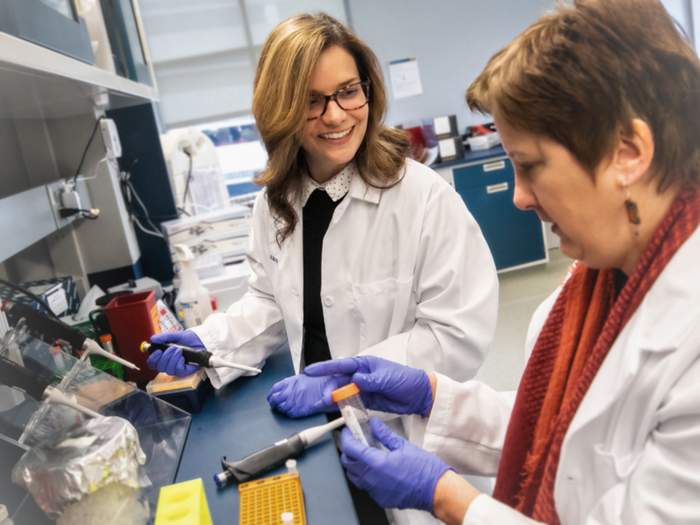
{"x":354,"y":413}
{"x":106,"y":342}
{"x":291,"y":465}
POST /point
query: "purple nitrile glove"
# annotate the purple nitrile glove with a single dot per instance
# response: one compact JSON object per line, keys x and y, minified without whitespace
{"x":171,"y":360}
{"x":384,"y":385}
{"x":301,"y":395}
{"x":403,"y":477}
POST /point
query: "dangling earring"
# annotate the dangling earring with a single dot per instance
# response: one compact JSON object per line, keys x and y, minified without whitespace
{"x":632,"y":212}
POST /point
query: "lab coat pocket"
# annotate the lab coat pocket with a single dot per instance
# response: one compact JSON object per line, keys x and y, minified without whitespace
{"x":384,"y":307}
{"x":614,"y":467}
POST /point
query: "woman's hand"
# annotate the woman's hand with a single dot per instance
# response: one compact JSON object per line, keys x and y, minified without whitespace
{"x":301,"y":395}
{"x":171,"y":360}
{"x":384,"y":385}
{"x":404,"y":476}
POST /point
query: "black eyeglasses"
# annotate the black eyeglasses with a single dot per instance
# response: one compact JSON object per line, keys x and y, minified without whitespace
{"x":351,"y":97}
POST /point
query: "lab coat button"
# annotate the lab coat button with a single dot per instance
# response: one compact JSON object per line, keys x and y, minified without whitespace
{"x":328,"y":301}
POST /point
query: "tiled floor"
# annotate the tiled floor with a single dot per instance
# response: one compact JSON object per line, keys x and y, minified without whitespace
{"x":521,"y":291}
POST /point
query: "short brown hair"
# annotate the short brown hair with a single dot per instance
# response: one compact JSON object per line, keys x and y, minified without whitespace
{"x":280,"y":104}
{"x":581,"y":74}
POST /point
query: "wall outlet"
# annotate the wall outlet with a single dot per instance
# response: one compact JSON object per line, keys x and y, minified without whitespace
{"x":70,"y":198}
{"x":62,"y":194}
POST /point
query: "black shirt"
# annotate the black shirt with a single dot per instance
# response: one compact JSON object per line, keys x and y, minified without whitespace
{"x":317,"y":214}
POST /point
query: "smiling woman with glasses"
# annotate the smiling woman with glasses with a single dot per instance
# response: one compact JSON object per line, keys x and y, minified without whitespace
{"x":355,"y":248}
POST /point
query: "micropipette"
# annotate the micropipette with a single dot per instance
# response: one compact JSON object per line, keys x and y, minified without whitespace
{"x":273,"y":456}
{"x":91,"y":347}
{"x":198,"y":356}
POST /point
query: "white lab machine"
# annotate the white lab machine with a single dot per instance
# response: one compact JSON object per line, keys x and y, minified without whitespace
{"x":224,"y":233}
{"x":230,"y":286}
{"x":219,"y":241}
{"x":195,"y":173}
{"x":482,"y":142}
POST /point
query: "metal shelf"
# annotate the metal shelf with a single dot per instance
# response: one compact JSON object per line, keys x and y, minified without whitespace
{"x":37,"y":82}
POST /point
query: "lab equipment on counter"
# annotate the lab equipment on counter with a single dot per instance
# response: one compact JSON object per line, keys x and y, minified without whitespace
{"x":183,"y":503}
{"x":451,"y":148}
{"x":354,"y":413}
{"x":484,"y":142}
{"x":56,"y":333}
{"x":92,"y":472}
{"x":273,"y":456}
{"x":192,"y":304}
{"x":267,"y":500}
{"x":203,"y":358}
{"x":161,"y":427}
{"x":223,"y":233}
{"x":445,"y":126}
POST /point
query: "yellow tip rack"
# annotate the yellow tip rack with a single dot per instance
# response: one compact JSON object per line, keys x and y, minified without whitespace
{"x":264,"y":500}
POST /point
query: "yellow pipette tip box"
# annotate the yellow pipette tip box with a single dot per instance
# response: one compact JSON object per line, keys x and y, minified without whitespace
{"x":183,"y":504}
{"x":264,"y":500}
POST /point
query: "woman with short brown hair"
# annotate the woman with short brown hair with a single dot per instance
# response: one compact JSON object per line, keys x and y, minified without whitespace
{"x":597,"y":106}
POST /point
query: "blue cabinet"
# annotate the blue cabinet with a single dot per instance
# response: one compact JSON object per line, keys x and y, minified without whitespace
{"x":516,"y":237}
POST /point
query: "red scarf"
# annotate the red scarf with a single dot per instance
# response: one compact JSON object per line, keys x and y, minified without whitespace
{"x":582,"y":326}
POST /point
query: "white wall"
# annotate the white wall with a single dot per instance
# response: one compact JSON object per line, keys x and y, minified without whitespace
{"x":682,"y":12}
{"x":452,"y":40}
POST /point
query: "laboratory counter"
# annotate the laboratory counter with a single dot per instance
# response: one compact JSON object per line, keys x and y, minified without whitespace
{"x":471,"y":156}
{"x":237,"y":420}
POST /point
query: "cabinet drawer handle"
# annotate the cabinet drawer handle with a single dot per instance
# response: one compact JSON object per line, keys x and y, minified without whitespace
{"x":497,"y":188}
{"x":493,"y":166}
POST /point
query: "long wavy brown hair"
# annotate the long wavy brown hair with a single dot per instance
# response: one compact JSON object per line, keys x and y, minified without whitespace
{"x":280,"y":102}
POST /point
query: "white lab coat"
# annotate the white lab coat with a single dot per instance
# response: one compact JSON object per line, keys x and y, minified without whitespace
{"x":406,"y":275}
{"x":632,"y":451}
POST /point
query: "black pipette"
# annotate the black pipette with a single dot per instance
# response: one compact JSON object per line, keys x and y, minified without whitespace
{"x":273,"y":456}
{"x":198,"y":356}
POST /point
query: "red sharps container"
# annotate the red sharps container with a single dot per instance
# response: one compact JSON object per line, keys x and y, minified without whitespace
{"x":133,"y":319}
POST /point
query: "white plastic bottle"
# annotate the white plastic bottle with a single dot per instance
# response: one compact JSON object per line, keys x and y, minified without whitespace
{"x":193,"y":304}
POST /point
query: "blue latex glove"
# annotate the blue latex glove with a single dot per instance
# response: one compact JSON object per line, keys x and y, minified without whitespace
{"x":384,"y":385}
{"x":404,"y":476}
{"x":301,"y":395}
{"x":171,"y":360}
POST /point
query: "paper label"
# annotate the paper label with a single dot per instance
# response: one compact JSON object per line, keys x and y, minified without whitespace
{"x":447,"y":148}
{"x":405,"y":78}
{"x":441,"y":125}
{"x":57,"y":301}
